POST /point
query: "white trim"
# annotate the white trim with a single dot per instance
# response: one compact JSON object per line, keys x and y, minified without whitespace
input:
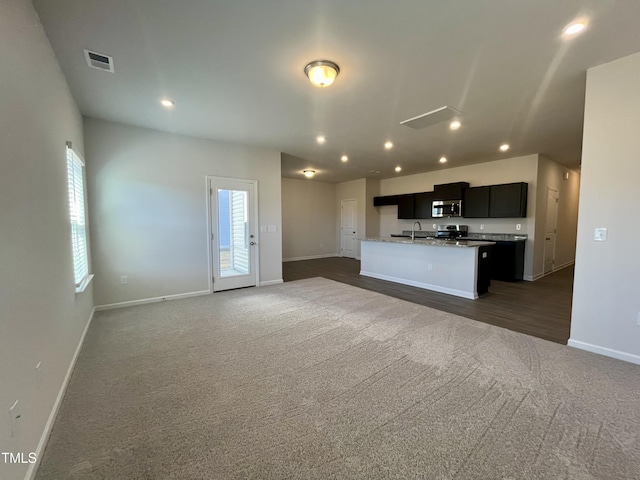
{"x":309,"y":257}
{"x":607,"y":352}
{"x":426,"y":286}
{"x":33,"y":468}
{"x":271,"y":282}
{"x":144,"y":301}
{"x":529,"y":278}
{"x":85,"y":283}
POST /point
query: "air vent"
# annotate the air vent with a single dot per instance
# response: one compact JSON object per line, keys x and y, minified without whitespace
{"x":438,"y":115}
{"x":99,"y":61}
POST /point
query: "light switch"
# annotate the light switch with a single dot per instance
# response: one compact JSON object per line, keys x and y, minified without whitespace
{"x":600,"y":234}
{"x":263,"y":228}
{"x":272,"y":228}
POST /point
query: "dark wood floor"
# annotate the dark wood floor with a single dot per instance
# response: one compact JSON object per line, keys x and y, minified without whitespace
{"x":541,"y":308}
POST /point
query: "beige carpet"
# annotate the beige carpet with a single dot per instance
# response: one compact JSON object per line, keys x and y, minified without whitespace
{"x":315,"y":379}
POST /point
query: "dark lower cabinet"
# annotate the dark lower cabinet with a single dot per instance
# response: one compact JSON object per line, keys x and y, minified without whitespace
{"x":485,"y":259}
{"x":507,"y":263}
{"x":406,"y":206}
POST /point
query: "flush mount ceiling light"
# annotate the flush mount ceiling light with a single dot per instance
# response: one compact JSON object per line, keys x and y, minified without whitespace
{"x":321,"y":73}
{"x":388,"y":145}
{"x":166,"y":103}
{"x":344,"y":158}
{"x":504,"y":147}
{"x":574,"y":28}
{"x":443,"y":159}
{"x":309,"y":173}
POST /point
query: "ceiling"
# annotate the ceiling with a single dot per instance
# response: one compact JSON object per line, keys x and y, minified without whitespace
{"x":235,"y":70}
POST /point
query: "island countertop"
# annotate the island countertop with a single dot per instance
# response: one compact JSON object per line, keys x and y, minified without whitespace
{"x":430,"y":242}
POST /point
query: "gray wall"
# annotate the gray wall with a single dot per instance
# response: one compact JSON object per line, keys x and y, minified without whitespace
{"x":606,"y":304}
{"x":308,"y":219}
{"x":41,"y":317}
{"x":148,"y":199}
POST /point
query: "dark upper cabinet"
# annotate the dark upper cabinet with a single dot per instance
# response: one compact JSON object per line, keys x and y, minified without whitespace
{"x":450,"y":191}
{"x":508,"y":200}
{"x":406,"y":206}
{"x":423,"y":204}
{"x":383,"y":201}
{"x":475,"y":203}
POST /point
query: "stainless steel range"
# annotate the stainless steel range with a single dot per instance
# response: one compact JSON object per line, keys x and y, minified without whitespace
{"x":451,"y":232}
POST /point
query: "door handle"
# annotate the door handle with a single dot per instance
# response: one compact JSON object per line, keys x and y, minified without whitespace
{"x":252,"y":243}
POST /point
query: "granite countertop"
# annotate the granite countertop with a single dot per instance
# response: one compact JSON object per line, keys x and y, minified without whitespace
{"x":492,"y":237}
{"x":429,"y":242}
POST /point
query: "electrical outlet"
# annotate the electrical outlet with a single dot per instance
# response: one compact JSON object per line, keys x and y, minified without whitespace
{"x":435,"y":226}
{"x":518,"y":226}
{"x":482,"y":226}
{"x":39,"y":374}
{"x":429,"y":266}
{"x":124,"y":279}
{"x":14,"y":418}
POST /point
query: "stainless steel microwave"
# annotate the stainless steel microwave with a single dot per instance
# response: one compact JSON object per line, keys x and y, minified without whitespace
{"x":446,"y":208}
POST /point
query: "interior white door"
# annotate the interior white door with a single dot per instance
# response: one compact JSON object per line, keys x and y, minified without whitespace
{"x":550,"y":231}
{"x":233,"y":238}
{"x":348,"y":228}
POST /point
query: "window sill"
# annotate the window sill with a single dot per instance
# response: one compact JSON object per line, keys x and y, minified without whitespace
{"x":85,"y":283}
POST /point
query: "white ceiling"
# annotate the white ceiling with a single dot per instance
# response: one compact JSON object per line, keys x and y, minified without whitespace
{"x":235,"y":70}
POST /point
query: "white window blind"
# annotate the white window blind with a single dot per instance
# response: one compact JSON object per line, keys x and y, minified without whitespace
{"x":77,"y":216}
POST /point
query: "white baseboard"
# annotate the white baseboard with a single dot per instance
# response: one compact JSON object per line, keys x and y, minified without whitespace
{"x":607,"y":352}
{"x":144,"y":301}
{"x":33,"y":468}
{"x":309,"y":257}
{"x":426,"y":286}
{"x":530,"y":278}
{"x":271,"y":282}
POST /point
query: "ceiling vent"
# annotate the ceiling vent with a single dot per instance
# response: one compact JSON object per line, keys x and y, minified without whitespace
{"x":438,"y":115}
{"x":99,"y":61}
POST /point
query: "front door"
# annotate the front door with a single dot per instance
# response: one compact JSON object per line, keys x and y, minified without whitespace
{"x":348,"y":224}
{"x":234,"y":245}
{"x":550,"y":230}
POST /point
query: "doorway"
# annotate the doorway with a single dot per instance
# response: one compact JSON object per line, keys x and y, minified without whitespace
{"x":348,"y":228}
{"x":550,"y":231}
{"x":232,"y":213}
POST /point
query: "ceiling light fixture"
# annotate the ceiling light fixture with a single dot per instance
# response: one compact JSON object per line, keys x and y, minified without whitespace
{"x":309,"y":173}
{"x":166,"y":103}
{"x":398,"y":169}
{"x":321,"y":73}
{"x":443,"y":159}
{"x":504,"y":147}
{"x":455,"y":125}
{"x":574,"y":28}
{"x":344,"y":158}
{"x":321,"y":139}
{"x":388,"y":145}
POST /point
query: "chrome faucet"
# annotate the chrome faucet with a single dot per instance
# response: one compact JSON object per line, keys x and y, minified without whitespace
{"x":413,"y":229}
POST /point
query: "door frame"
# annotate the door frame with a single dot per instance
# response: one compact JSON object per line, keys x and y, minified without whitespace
{"x":555,"y":230}
{"x":255,"y":256}
{"x":357,"y":249}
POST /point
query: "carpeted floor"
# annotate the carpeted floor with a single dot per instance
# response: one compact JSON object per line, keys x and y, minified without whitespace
{"x":315,"y":379}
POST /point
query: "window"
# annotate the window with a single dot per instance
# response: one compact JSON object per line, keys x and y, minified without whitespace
{"x":75,"y":167}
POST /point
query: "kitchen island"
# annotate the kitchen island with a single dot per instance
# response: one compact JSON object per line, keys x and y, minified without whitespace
{"x":458,"y":268}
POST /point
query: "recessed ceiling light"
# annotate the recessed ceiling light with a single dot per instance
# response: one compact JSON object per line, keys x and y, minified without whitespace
{"x":321,"y":139}
{"x":344,"y":158}
{"x":165,"y":102}
{"x":443,"y":159}
{"x":574,"y":28}
{"x":504,"y":147}
{"x":309,"y":173}
{"x":455,"y":125}
{"x":388,"y":145}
